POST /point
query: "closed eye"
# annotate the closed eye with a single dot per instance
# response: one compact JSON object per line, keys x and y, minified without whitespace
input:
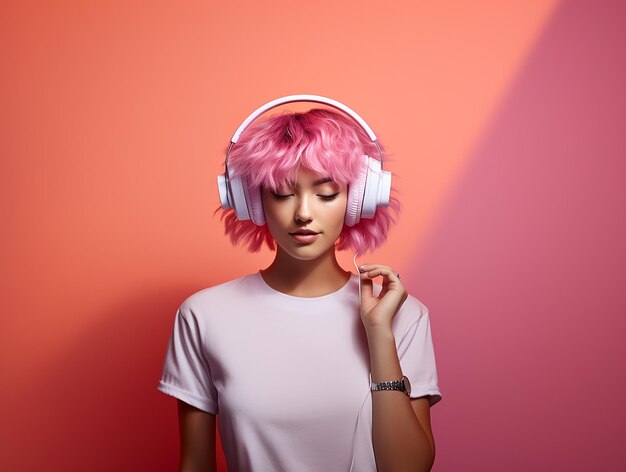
{"x":329,"y":197}
{"x":280,"y":197}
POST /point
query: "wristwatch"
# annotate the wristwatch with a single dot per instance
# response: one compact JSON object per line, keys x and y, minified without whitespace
{"x":403,"y":385}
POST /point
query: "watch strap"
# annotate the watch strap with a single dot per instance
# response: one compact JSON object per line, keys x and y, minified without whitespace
{"x":389,"y":385}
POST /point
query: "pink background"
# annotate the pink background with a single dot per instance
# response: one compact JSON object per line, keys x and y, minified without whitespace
{"x":505,"y":123}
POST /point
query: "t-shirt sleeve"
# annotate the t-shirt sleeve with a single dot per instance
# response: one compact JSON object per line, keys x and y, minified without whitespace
{"x":417,"y":360}
{"x":186,"y":372}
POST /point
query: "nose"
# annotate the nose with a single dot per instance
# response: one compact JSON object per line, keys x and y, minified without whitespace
{"x":303,"y":210}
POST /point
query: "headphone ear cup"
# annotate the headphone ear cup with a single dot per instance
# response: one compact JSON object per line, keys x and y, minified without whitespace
{"x":222,"y":188}
{"x":239,"y":198}
{"x":356,"y":191}
{"x":377,"y":189}
{"x":247,"y":200}
{"x":233,"y":194}
{"x":255,"y":205}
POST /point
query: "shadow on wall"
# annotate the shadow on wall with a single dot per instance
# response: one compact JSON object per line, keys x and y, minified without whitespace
{"x":99,"y":409}
{"x":524,"y":273}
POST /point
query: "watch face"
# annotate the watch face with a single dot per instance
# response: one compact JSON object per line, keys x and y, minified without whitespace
{"x":407,"y":385}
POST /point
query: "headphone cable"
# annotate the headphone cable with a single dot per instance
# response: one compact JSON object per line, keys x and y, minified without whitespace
{"x":369,"y":392}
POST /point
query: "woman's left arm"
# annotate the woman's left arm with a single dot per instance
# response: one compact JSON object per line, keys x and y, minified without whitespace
{"x":402,"y":435}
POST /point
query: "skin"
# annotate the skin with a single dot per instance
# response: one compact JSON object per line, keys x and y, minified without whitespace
{"x":402,"y":435}
{"x":311,"y":269}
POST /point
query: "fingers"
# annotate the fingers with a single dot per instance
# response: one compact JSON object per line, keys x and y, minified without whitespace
{"x":392,"y":294}
{"x":367,"y":287}
{"x":375,"y":270}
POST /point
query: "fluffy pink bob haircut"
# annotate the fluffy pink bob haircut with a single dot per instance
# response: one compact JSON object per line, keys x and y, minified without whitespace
{"x":270,"y":152}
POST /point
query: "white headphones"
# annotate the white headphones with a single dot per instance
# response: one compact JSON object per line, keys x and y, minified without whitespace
{"x":368,"y":192}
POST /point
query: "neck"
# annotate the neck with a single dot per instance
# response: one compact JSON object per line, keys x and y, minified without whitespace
{"x":305,"y":278}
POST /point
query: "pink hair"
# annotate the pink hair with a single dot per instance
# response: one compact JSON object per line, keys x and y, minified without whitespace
{"x":270,"y":152}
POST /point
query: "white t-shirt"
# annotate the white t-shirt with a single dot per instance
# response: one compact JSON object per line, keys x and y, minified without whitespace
{"x":289,"y":375}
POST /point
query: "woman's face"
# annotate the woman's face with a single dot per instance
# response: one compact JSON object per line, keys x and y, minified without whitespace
{"x":313,"y":203}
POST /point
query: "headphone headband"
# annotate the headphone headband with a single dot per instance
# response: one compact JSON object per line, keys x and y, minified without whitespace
{"x":304,"y":98}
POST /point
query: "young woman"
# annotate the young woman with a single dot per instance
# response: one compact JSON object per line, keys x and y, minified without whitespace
{"x":309,"y":367}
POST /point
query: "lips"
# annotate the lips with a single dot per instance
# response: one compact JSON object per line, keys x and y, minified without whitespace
{"x":303,"y":232}
{"x":304,"y":237}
